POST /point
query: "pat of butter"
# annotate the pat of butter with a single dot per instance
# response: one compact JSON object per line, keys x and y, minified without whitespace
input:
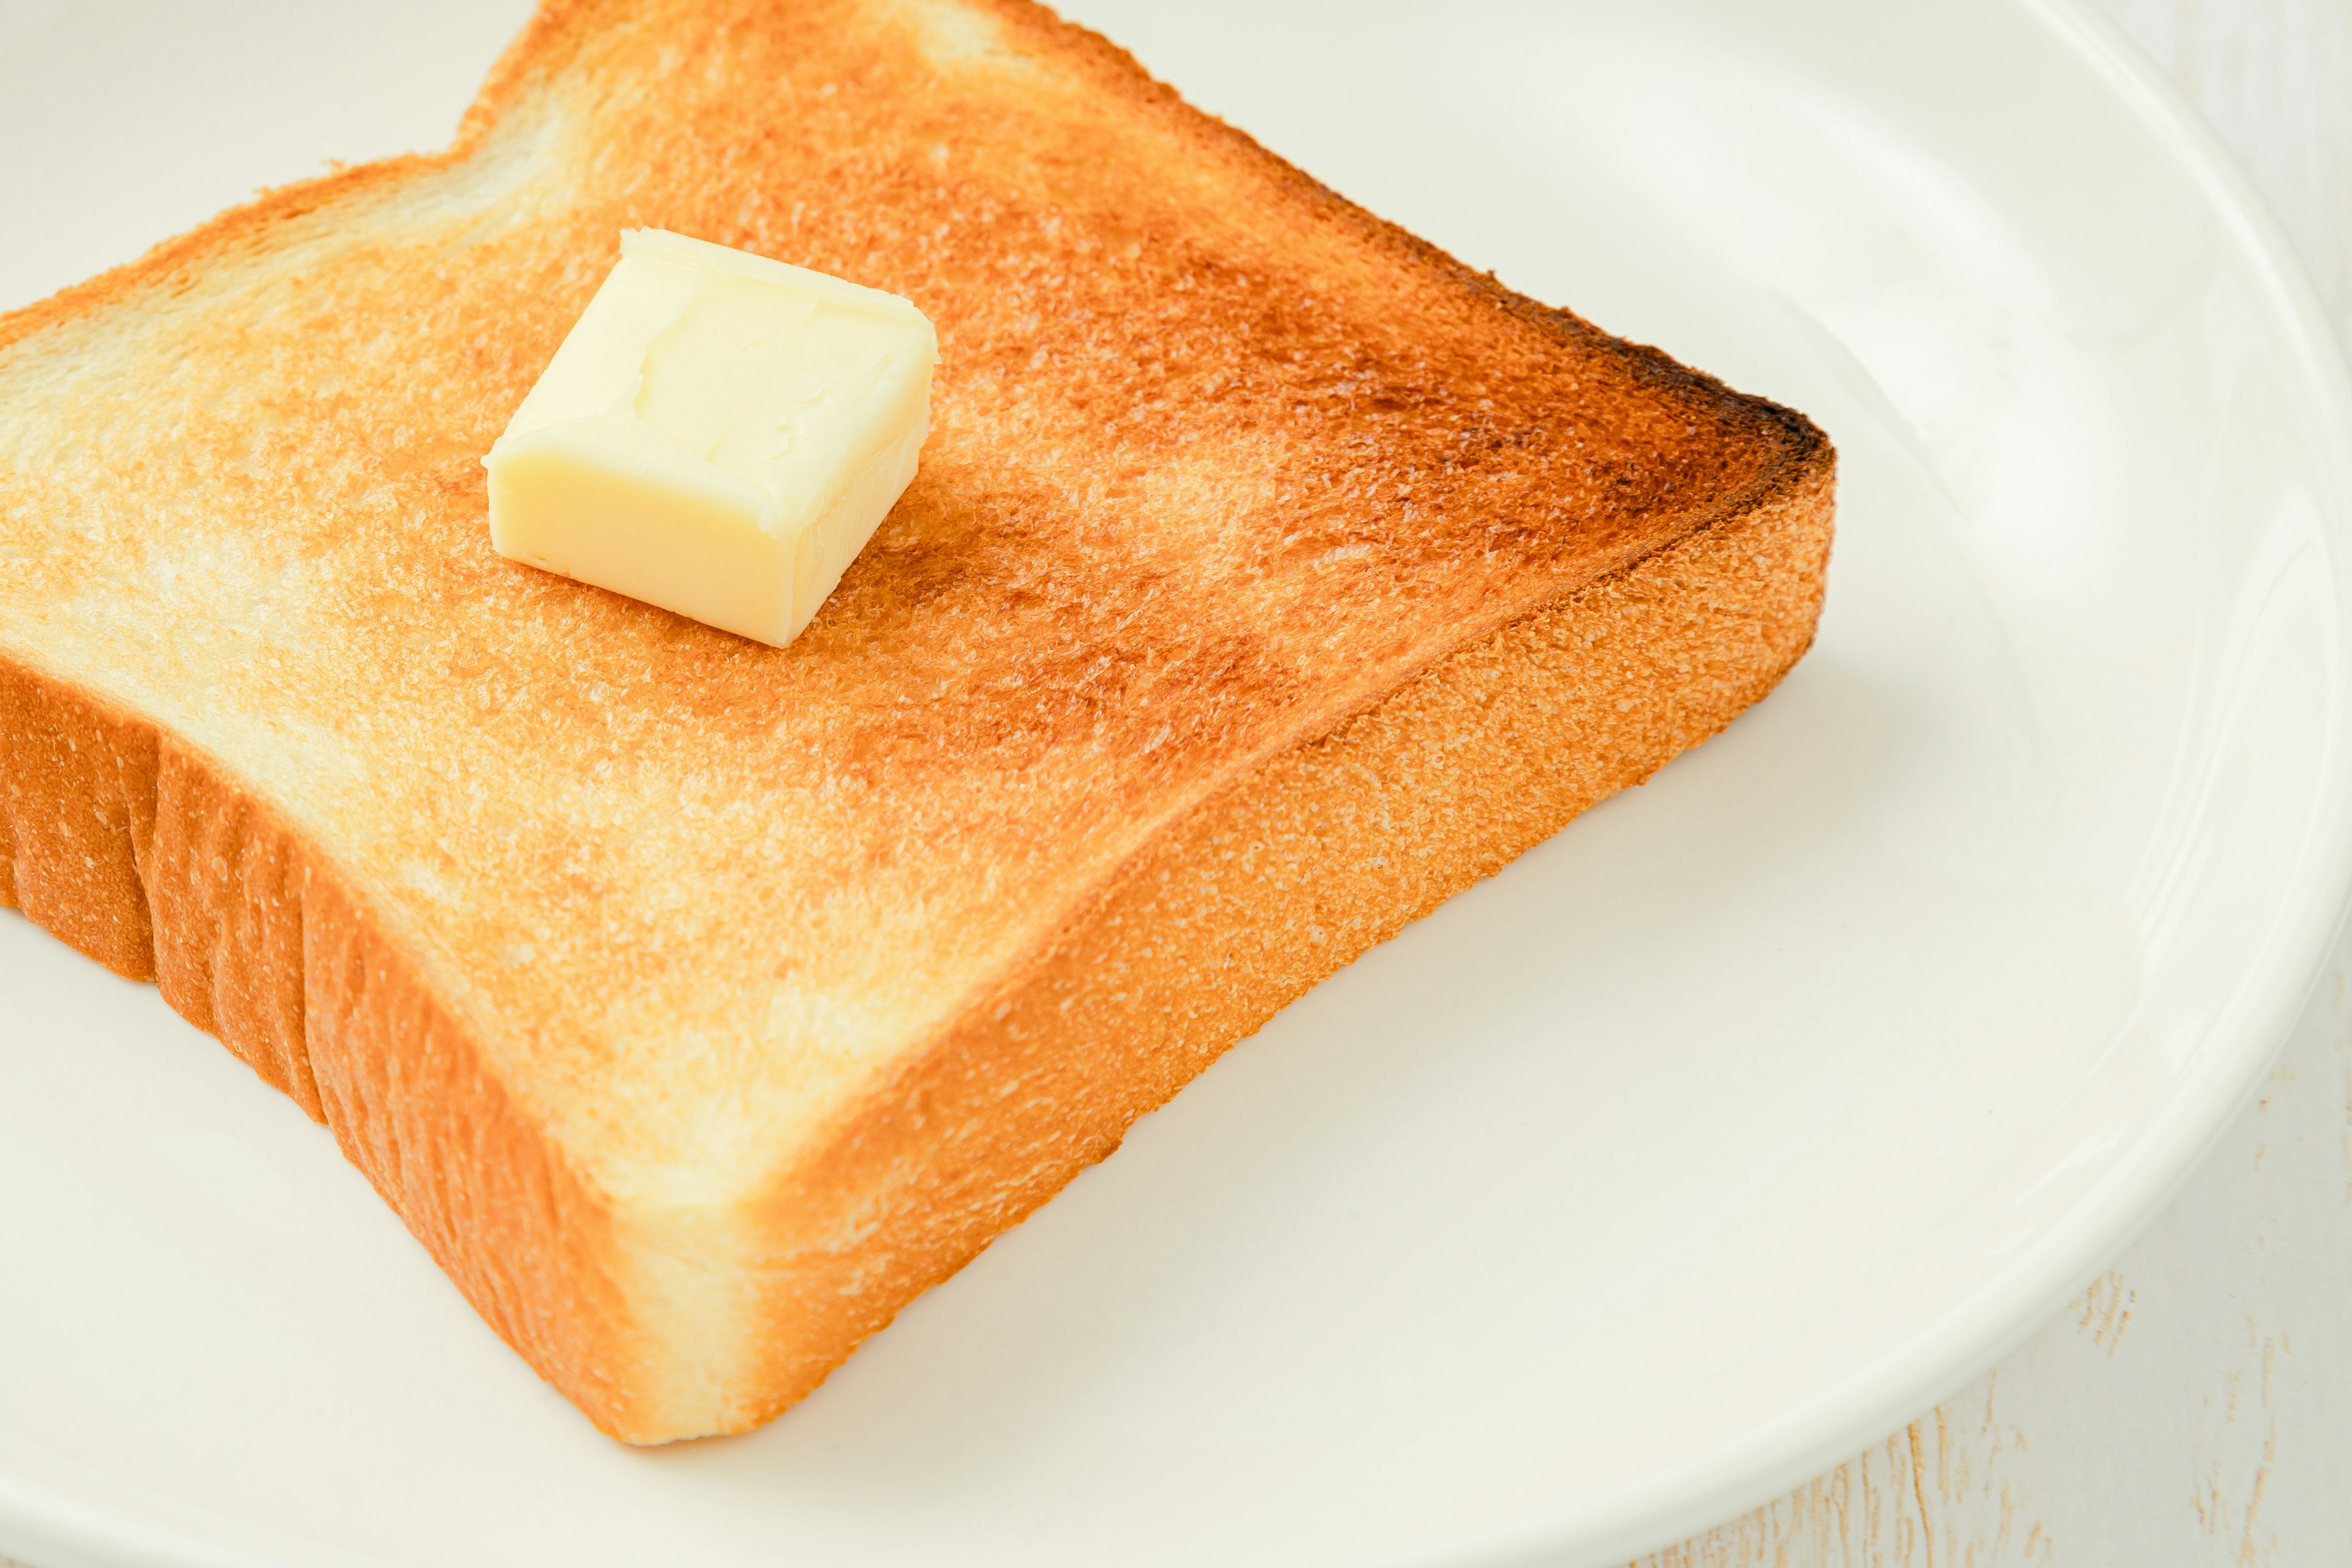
{"x":720,"y":435}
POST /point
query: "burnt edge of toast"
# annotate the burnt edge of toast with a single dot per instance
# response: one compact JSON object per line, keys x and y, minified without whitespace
{"x":1801,"y":442}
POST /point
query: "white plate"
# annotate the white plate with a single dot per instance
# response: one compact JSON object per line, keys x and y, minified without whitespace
{"x":1706,"y":1143}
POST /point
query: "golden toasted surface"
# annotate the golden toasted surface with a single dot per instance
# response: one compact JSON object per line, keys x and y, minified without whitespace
{"x":1217,"y":461}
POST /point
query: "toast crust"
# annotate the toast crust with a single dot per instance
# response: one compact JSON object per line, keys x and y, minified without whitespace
{"x":1550,"y":562}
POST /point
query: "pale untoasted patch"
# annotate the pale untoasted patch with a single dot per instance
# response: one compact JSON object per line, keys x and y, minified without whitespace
{"x":697,"y":1325}
{"x":950,"y":35}
{"x":423,"y":877}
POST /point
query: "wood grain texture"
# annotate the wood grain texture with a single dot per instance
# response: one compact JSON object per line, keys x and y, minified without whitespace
{"x":2273,"y":78}
{"x":2187,"y":1409}
{"x":2194,"y":1405}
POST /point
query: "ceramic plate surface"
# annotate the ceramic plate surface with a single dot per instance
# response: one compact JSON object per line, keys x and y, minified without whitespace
{"x":1706,"y":1143}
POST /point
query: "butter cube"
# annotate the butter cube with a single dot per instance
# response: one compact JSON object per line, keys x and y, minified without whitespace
{"x":720,"y":435}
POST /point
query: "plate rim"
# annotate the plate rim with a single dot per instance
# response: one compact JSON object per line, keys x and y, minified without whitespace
{"x":2251,"y":1030}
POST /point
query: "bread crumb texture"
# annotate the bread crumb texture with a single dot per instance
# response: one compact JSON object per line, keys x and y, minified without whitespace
{"x":1269,"y":577}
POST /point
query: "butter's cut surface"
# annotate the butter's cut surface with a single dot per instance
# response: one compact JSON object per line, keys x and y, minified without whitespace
{"x":720,"y":435}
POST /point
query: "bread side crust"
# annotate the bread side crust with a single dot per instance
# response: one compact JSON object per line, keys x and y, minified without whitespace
{"x":145,"y":856}
{"x":148,"y":858}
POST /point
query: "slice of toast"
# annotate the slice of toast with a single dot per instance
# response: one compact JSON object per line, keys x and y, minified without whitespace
{"x":1269,"y":577}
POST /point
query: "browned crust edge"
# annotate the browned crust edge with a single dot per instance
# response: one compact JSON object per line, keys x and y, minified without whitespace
{"x":1799,"y":436}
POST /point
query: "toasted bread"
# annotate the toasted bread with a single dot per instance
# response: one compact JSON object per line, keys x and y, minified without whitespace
{"x":1269,"y":577}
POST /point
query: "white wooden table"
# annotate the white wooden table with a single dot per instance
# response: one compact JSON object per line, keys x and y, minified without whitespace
{"x":2194,"y":1405}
